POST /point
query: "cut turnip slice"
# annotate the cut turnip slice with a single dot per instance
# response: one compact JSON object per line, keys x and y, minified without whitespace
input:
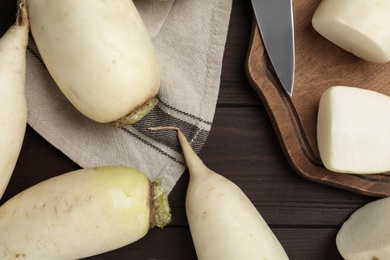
{"x":366,"y":234}
{"x":353,"y":130}
{"x":358,"y":26}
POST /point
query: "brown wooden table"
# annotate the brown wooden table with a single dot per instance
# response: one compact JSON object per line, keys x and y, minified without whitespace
{"x":242,"y":146}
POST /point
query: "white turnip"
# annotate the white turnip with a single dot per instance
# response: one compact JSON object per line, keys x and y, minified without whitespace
{"x":366,"y":234}
{"x":224,"y":223}
{"x":81,"y":213}
{"x":358,"y":26}
{"x":100,"y":55}
{"x":13,"y":112}
{"x":353,"y":130}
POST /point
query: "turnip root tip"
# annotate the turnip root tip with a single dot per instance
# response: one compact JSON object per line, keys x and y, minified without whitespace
{"x":224,"y":223}
{"x":22,"y":15}
{"x":13,"y":112}
{"x":192,"y":159}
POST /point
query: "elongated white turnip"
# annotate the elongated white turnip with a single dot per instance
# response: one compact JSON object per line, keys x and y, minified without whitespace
{"x":100,"y":55}
{"x":81,"y":213}
{"x":358,"y":26}
{"x":13,"y":111}
{"x":353,"y":130}
{"x":365,"y":235}
{"x":224,"y":223}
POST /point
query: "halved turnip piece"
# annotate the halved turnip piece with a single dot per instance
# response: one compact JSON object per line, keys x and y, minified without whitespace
{"x":366,"y":234}
{"x":353,"y":130}
{"x":358,"y":26}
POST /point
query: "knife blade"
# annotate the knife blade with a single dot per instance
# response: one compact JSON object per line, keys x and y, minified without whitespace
{"x":276,"y":25}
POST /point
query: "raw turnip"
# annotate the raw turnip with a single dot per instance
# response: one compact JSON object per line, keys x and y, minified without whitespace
{"x":358,"y":26}
{"x":353,"y":130}
{"x":100,"y":55}
{"x":81,"y":213}
{"x":13,"y":112}
{"x":224,"y":223}
{"x":366,"y":234}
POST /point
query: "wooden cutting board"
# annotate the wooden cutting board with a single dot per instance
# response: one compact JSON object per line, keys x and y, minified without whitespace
{"x":319,"y":65}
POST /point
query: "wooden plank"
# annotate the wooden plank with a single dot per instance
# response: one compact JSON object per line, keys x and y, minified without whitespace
{"x":235,"y":89}
{"x":309,"y":243}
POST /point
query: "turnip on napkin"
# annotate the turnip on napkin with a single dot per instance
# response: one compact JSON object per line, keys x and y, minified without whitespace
{"x":190,"y":37}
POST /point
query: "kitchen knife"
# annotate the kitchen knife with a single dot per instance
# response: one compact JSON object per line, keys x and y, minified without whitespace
{"x":276,"y":26}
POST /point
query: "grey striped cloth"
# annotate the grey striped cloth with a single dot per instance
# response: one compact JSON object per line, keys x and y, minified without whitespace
{"x":190,"y":37}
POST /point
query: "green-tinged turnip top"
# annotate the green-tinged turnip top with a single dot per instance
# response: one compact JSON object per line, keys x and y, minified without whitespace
{"x":13,"y":111}
{"x":81,"y":214}
{"x":224,"y":223}
{"x":353,"y":130}
{"x":365,"y":235}
{"x":100,"y":54}
{"x":358,"y":26}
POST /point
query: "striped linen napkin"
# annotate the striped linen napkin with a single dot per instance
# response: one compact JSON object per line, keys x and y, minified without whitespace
{"x":190,"y":37}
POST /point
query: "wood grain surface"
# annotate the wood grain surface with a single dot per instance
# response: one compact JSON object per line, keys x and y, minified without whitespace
{"x":243,"y":146}
{"x":319,"y":65}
